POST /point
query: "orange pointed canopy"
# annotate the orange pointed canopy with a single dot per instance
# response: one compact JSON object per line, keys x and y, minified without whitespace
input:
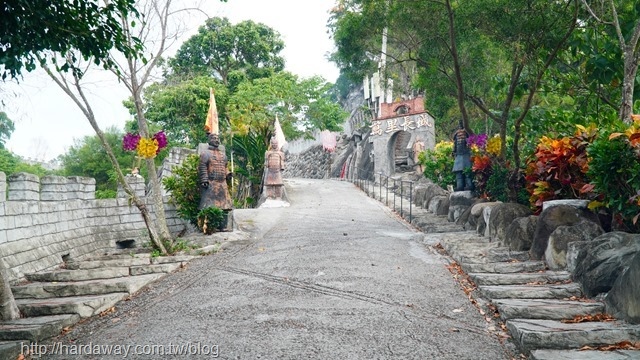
{"x":211,"y":124}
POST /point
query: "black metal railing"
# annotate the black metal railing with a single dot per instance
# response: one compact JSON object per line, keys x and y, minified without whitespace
{"x":397,"y":192}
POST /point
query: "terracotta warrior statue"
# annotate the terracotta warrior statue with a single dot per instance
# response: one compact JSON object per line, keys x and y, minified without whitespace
{"x":417,"y":148}
{"x":462,"y":162}
{"x":273,"y":164}
{"x":213,"y":176}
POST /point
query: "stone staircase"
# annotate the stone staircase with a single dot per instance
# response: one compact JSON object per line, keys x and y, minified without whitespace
{"x":54,"y":300}
{"x":544,"y":311}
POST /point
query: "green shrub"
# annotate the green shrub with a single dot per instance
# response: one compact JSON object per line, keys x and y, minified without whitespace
{"x":438,"y":164}
{"x":614,"y":171}
{"x":211,"y":219}
{"x":184,"y":188}
{"x":106,"y":194}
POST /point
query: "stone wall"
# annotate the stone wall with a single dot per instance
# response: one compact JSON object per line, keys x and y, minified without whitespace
{"x":44,"y":219}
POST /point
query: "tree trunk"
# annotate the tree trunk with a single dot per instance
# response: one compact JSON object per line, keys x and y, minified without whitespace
{"x":83,"y":104}
{"x":156,"y":189}
{"x":8,"y":308}
{"x":630,"y":71}
{"x":458,"y":72}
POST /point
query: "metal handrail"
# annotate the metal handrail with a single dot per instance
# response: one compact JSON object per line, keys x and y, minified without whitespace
{"x":368,"y":186}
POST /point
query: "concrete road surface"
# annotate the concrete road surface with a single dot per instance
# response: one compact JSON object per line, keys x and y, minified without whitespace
{"x":333,"y":276}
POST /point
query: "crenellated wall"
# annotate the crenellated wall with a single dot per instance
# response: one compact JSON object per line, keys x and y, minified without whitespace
{"x":44,"y":219}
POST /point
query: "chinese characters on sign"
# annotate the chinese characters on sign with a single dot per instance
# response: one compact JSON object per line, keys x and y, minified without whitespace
{"x":406,"y":123}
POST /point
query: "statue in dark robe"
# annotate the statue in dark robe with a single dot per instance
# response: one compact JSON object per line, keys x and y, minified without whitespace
{"x":462,"y":163}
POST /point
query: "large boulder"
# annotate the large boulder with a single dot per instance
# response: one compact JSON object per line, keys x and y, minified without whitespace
{"x":553,"y":217}
{"x":519,"y":234}
{"x":439,"y":205}
{"x":481,"y":212}
{"x":556,"y":254}
{"x":602,"y":260}
{"x":459,"y":202}
{"x":430,"y":192}
{"x":502,"y":215}
{"x":466,"y":220}
{"x":623,"y":301}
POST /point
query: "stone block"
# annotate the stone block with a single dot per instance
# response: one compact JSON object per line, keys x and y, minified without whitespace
{"x":53,"y":188}
{"x":23,"y":186}
{"x":519,"y":234}
{"x":83,"y":188}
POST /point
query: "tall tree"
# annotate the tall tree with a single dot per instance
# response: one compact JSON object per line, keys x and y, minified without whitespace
{"x":230,"y":52}
{"x":157,"y":33}
{"x":623,"y":18}
{"x":31,"y":33}
{"x":6,"y":128}
{"x":526,"y":36}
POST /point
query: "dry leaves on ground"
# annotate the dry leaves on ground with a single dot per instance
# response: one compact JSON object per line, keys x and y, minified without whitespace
{"x":623,"y":345}
{"x":589,"y":318}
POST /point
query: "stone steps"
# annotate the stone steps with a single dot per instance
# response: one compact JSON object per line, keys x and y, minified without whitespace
{"x":535,"y":334}
{"x":584,"y":355}
{"x":561,"y":291}
{"x":118,"y":262}
{"x":155,"y":268}
{"x":9,"y":349}
{"x":545,"y":308}
{"x":36,"y":328}
{"x":57,"y":299}
{"x":79,"y":275}
{"x":84,"y":306}
{"x":46,"y":290}
{"x":529,"y":298}
{"x":546,"y":277}
{"x":504,"y":267}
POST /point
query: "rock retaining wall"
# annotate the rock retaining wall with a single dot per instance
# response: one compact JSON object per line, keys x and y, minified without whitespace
{"x":311,"y":164}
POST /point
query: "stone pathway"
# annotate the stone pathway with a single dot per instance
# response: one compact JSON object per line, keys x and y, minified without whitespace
{"x":544,"y":311}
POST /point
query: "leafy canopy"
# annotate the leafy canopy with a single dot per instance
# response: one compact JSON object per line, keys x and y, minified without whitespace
{"x":31,"y":30}
{"x":230,"y":52}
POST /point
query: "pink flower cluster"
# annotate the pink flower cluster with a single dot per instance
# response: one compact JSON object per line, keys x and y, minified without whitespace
{"x":478,"y":140}
{"x":161,"y":138}
{"x":130,"y":141}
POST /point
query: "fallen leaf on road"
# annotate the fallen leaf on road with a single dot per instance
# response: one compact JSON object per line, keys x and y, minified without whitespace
{"x":108,"y":311}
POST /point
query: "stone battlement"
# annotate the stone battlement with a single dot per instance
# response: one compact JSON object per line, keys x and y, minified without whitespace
{"x":44,"y":219}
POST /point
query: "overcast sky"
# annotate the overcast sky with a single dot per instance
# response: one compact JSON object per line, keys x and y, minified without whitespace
{"x":47,"y":121}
